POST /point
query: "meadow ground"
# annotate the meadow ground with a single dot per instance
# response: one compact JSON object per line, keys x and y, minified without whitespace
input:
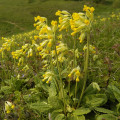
{"x":17,"y":16}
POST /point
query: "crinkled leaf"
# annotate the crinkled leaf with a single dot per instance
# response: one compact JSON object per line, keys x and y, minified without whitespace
{"x":106,"y":117}
{"x":81,"y":111}
{"x":103,"y":110}
{"x":55,"y":102}
{"x":40,"y":106}
{"x":114,"y":92}
{"x":52,"y":89}
{"x":75,"y":117}
{"x":60,"y":117}
{"x":95,"y":100}
{"x":6,"y":89}
{"x":55,"y":113}
{"x":92,"y":89}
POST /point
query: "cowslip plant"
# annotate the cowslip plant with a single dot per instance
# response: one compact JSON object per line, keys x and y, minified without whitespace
{"x":70,"y":99}
{"x":52,"y":72}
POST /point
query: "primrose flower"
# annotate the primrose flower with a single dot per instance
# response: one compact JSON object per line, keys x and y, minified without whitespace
{"x":86,"y":22}
{"x":76,"y":73}
{"x":61,"y":47}
{"x":39,"y":48}
{"x":81,"y":22}
{"x":92,"y":9}
{"x":91,"y":48}
{"x":49,"y":44}
{"x":86,"y":8}
{"x":58,"y":13}
{"x":9,"y":106}
{"x":54,"y":25}
{"x":82,"y":37}
{"x":49,"y":75}
{"x":36,"y":37}
{"x":64,"y":18}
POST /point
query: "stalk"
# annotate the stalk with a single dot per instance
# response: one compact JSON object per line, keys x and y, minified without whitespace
{"x":59,"y":70}
{"x":74,"y":54}
{"x":51,"y":67}
{"x":85,"y":68}
{"x":75,"y":93}
{"x":69,"y":86}
{"x":74,"y":65}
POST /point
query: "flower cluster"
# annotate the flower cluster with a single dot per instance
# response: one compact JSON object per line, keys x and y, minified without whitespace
{"x":7,"y":45}
{"x":64,"y":19}
{"x":9,"y":106}
{"x":76,"y":73}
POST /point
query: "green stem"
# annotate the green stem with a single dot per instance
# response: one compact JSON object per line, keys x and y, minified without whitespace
{"x":74,"y":54}
{"x":69,"y":86}
{"x":75,"y":93}
{"x":59,"y":70}
{"x":85,"y":68}
{"x":51,"y":67}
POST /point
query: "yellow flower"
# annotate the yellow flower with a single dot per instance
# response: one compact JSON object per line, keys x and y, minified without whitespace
{"x":69,"y":75}
{"x":47,"y":82}
{"x":35,"y":25}
{"x":54,"y":23}
{"x":85,"y":8}
{"x":12,"y":106}
{"x":36,"y":37}
{"x":38,"y":27}
{"x":8,"y":111}
{"x":39,"y":48}
{"x":58,"y":13}
{"x":77,"y":73}
{"x":49,"y":44}
{"x":82,"y":37}
{"x":92,"y":9}
{"x":75,"y":16}
{"x":87,"y":22}
{"x":50,"y":36}
{"x":73,"y":33}
{"x":77,"y":79}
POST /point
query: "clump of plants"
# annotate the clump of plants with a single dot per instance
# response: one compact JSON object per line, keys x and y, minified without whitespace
{"x":50,"y":74}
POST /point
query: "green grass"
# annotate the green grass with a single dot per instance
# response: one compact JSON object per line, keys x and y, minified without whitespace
{"x":17,"y":16}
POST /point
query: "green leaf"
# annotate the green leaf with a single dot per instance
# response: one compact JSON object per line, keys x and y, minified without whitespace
{"x":52,"y":89}
{"x":106,"y":117}
{"x":92,"y":89}
{"x":55,"y":102}
{"x":40,"y":106}
{"x":6,"y":89}
{"x":60,"y":117}
{"x":75,"y":117}
{"x":81,"y":111}
{"x":103,"y":110}
{"x":118,"y":108}
{"x":95,"y":100}
{"x":114,"y":92}
{"x":55,"y":113}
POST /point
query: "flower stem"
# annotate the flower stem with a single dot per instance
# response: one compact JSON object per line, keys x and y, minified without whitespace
{"x":85,"y":69}
{"x":61,"y":82}
{"x":74,"y":62}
